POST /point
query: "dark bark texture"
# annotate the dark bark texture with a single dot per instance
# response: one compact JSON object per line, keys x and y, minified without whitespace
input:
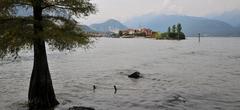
{"x":41,"y":93}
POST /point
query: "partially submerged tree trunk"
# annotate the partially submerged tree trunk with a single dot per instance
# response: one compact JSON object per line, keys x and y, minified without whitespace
{"x":41,"y":93}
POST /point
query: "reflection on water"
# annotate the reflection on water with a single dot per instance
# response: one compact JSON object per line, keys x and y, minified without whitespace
{"x":178,"y":75}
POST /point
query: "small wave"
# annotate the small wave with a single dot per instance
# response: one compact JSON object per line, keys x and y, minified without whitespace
{"x":174,"y":100}
{"x":199,"y":53}
{"x":189,"y":53}
{"x":19,"y":105}
{"x":236,"y":57}
{"x":223,"y":101}
{"x":66,"y":101}
{"x":236,"y":73}
{"x":6,"y":61}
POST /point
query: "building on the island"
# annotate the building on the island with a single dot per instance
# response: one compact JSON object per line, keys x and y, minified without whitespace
{"x":137,"y":32}
{"x":147,"y":32}
{"x":128,"y":32}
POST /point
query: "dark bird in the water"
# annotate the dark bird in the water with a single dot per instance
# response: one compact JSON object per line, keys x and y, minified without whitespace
{"x":115,"y":88}
{"x":94,"y":87}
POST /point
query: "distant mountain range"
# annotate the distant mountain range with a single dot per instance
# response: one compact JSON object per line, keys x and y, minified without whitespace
{"x":191,"y":25}
{"x":238,"y":26}
{"x":108,"y":26}
{"x":230,"y":17}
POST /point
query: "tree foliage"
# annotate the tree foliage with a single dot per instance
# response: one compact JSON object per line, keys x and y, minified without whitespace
{"x":169,"y":29}
{"x":173,"y":33}
{"x":174,"y":28}
{"x":59,"y":27}
{"x":179,"y":28}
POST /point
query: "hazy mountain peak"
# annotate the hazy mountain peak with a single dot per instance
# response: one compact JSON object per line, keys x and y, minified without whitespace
{"x":112,"y":21}
{"x":110,"y":25}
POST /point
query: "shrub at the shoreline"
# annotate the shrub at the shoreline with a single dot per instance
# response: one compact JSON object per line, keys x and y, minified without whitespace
{"x":174,"y":33}
{"x":170,"y":36}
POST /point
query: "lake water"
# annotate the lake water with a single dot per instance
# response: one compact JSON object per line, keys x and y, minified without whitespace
{"x":178,"y":75}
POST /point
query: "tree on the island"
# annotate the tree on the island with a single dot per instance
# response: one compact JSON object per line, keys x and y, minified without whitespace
{"x":179,"y":28}
{"x":169,"y":29}
{"x":120,"y":33}
{"x":51,"y":21}
{"x":174,"y":28}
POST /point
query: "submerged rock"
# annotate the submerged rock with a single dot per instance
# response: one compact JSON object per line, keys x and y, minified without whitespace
{"x":81,"y":108}
{"x":135,"y":75}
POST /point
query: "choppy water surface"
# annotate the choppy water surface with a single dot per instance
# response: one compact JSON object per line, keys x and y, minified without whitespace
{"x":178,"y":75}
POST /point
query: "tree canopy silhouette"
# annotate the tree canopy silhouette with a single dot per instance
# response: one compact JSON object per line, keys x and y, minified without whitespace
{"x":174,"y":28}
{"x":179,"y":28}
{"x":49,"y":21}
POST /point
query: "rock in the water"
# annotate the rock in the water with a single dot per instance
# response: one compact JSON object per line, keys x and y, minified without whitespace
{"x":81,"y":108}
{"x":135,"y":75}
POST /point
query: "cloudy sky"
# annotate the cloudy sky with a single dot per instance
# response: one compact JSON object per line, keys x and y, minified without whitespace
{"x":126,"y":9}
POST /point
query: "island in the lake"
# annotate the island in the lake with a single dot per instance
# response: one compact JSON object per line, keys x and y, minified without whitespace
{"x":174,"y":33}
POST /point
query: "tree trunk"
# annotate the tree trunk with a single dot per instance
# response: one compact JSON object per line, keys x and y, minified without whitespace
{"x":41,"y":93}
